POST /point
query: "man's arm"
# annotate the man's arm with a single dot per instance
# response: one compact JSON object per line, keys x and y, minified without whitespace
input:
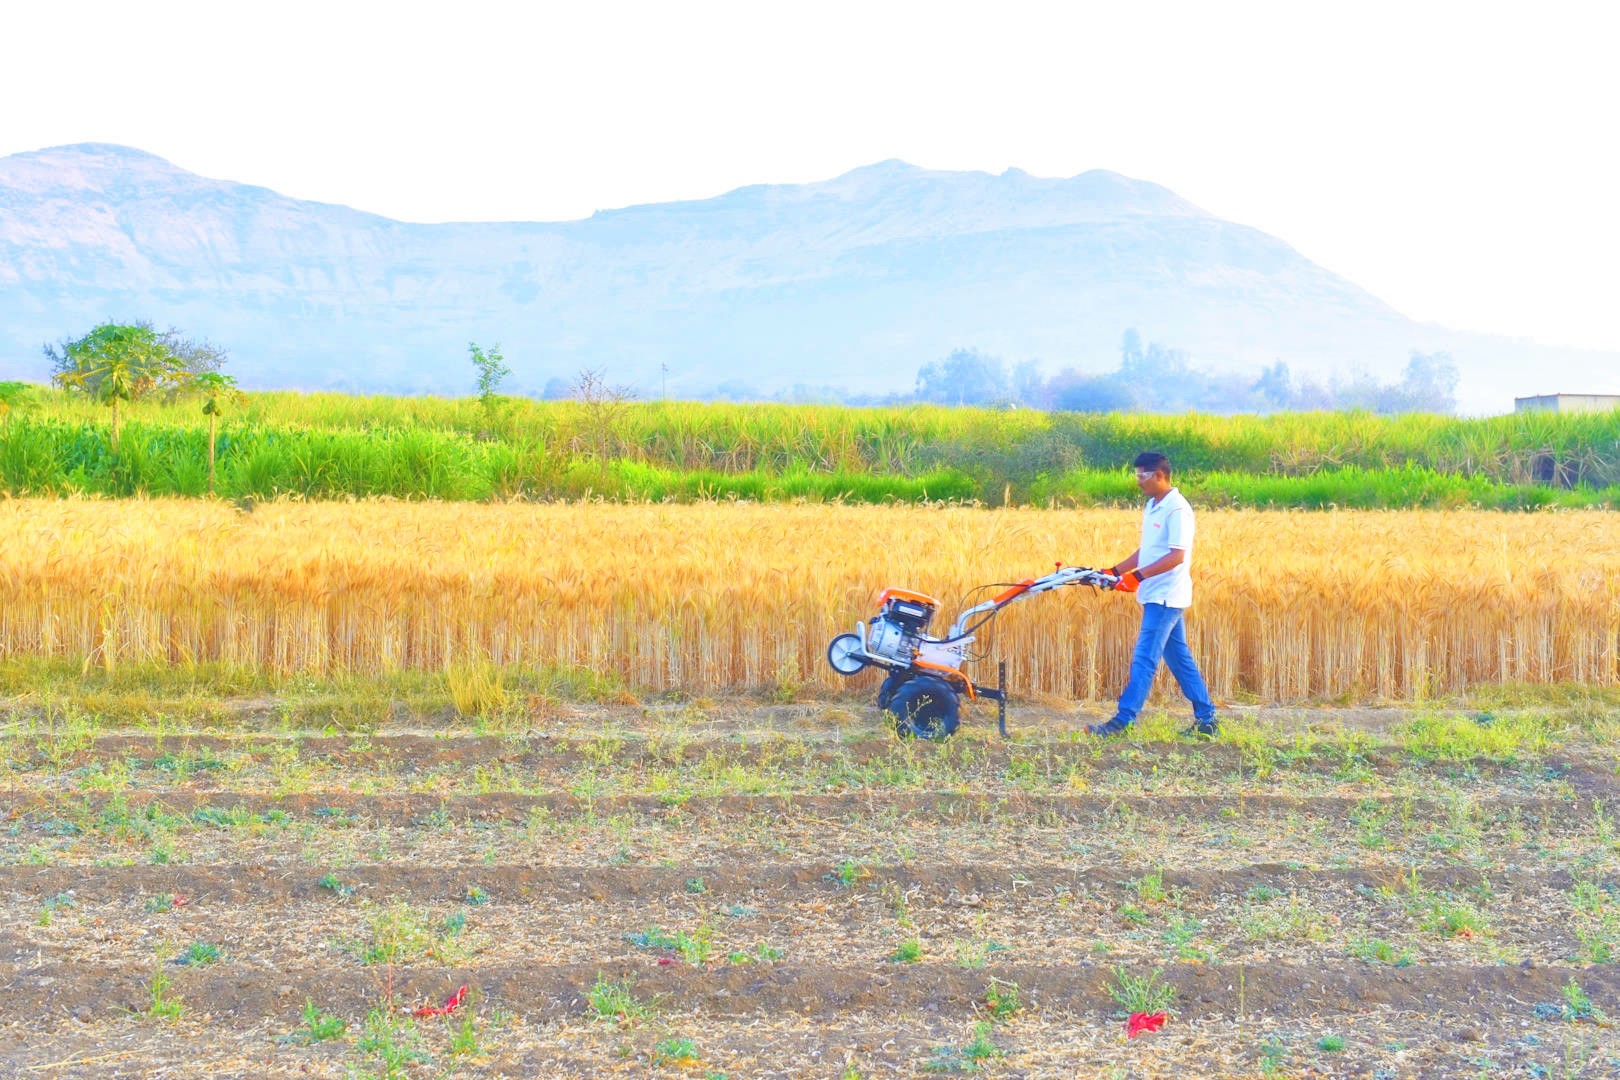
{"x":1126,"y":565}
{"x":1159,"y":566}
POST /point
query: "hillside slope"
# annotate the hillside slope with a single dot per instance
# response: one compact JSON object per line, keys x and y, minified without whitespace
{"x":853,"y":282}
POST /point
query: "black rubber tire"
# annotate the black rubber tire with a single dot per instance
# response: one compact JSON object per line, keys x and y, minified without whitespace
{"x":925,"y":708}
{"x":891,"y":682}
{"x":833,"y":644}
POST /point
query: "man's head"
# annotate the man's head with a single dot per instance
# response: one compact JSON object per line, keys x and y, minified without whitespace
{"x":1152,"y":473}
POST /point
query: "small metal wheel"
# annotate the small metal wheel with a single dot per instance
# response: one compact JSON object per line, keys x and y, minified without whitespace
{"x":844,"y":654}
{"x":925,"y":708}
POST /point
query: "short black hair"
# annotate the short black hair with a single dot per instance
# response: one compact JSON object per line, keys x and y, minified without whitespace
{"x":1152,"y":459}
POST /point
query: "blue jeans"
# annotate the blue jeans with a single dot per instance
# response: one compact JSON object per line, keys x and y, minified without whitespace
{"x":1162,"y":638}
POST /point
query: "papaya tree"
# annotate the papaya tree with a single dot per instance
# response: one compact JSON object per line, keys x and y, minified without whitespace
{"x":218,"y":393}
{"x":116,"y":363}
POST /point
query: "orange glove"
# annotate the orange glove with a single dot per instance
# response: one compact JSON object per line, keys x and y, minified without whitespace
{"x":1129,"y":582}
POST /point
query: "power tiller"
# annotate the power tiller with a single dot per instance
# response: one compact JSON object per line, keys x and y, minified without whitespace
{"x":926,"y":684}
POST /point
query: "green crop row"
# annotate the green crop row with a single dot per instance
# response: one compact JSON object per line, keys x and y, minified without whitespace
{"x":336,"y":446}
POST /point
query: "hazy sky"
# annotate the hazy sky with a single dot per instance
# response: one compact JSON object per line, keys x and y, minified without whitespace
{"x":1458,"y":159}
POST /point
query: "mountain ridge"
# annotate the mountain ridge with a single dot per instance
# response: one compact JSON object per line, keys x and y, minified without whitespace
{"x":855,"y":281}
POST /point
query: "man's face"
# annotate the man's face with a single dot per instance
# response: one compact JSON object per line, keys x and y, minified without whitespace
{"x":1154,"y":484}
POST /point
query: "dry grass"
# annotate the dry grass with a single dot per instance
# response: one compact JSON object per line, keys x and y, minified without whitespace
{"x":1291,"y":606}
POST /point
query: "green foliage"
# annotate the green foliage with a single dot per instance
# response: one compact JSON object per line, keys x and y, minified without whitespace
{"x":616,"y":1001}
{"x":200,"y":954}
{"x":117,"y":362}
{"x":52,"y":905}
{"x":1381,"y":951}
{"x":393,"y":1039}
{"x":695,"y":947}
{"x":400,"y":935}
{"x":908,"y":952}
{"x":332,"y":446}
{"x":215,"y":392}
{"x":320,"y":1026}
{"x":1141,"y":993}
{"x":337,"y":888}
{"x":1577,"y":1005}
{"x":15,"y":397}
{"x":969,"y":1057}
{"x":673,"y":1051}
{"x":161,"y":1001}
{"x":1150,"y":888}
{"x":492,"y":369}
{"x":850,"y":871}
{"x":1002,"y":999}
{"x":464,"y":1041}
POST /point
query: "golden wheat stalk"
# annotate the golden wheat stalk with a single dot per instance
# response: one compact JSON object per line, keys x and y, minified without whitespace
{"x":1290,"y":606}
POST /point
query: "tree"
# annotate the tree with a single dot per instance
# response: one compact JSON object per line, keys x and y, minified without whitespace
{"x":194,"y":357}
{"x":218,"y":392}
{"x":604,"y":404}
{"x":1027,"y":385}
{"x":1074,"y":391}
{"x":116,"y":362}
{"x":965,"y":377}
{"x":1275,"y":385}
{"x":491,"y":370}
{"x":1429,"y":384}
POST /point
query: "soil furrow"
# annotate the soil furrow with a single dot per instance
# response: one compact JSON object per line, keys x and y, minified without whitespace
{"x":343,"y":806}
{"x":260,"y":883}
{"x":59,"y":992}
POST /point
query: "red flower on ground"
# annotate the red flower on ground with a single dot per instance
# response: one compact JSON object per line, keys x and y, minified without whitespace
{"x":1140,"y":1023}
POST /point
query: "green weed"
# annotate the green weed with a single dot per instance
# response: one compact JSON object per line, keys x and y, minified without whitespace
{"x":969,"y":1057}
{"x":1150,"y":888}
{"x":321,"y":1026}
{"x":1141,"y":993}
{"x":161,"y":1001}
{"x":672,"y":1051}
{"x":908,"y":952}
{"x":1002,"y":999}
{"x":393,"y":1039}
{"x":851,"y":872}
{"x":1381,"y":951}
{"x":336,"y":887}
{"x":53,"y":904}
{"x":200,"y":954}
{"x":464,"y":1037}
{"x":616,"y":1001}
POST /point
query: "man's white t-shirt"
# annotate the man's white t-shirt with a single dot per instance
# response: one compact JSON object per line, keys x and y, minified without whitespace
{"x":1167,"y":524}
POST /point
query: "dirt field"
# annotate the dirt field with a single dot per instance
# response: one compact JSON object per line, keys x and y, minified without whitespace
{"x":749,"y":889}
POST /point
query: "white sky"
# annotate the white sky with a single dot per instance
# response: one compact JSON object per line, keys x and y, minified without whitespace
{"x":1460,"y":160}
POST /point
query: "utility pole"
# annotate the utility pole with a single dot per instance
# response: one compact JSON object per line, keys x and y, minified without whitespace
{"x":663,"y":379}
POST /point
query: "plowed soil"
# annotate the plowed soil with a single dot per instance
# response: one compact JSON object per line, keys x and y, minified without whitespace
{"x":786,"y":891}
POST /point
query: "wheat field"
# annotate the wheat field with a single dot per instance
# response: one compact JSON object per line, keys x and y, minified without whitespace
{"x":1290,"y":606}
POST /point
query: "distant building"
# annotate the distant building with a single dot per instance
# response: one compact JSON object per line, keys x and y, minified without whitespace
{"x":1567,"y":403}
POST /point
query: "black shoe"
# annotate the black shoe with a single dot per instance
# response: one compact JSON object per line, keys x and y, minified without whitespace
{"x":1202,"y":729}
{"x":1116,"y":726}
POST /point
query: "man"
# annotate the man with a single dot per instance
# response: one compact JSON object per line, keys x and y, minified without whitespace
{"x":1158,"y":573}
